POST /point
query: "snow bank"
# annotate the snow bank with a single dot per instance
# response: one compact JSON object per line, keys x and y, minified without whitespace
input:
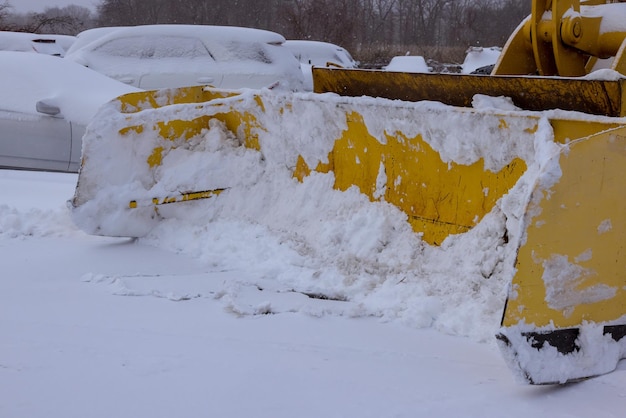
{"x":307,"y":237}
{"x":38,"y":213}
{"x":409,"y":64}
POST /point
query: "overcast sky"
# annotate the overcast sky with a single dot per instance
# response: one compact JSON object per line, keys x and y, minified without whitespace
{"x":22,"y":6}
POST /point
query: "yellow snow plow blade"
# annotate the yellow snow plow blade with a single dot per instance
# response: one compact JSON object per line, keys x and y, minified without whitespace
{"x":398,"y":163}
{"x":547,"y":153}
{"x":445,"y":167}
{"x":567,"y":305}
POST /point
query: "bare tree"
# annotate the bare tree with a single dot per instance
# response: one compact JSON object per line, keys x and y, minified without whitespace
{"x":68,"y":20}
{"x":5,"y":9}
{"x":355,"y":24}
{"x":131,"y":12}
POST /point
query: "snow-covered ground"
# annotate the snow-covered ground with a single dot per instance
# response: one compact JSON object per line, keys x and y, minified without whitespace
{"x":217,"y":324}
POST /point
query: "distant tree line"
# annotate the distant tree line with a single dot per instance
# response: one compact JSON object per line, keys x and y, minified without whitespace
{"x":361,"y":26}
{"x":68,"y":20}
{"x":365,"y":27}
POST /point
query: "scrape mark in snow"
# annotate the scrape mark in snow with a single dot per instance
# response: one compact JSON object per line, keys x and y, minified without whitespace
{"x":563,"y":281}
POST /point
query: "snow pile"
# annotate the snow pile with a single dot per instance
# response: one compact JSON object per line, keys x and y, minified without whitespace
{"x":408,"y":64}
{"x":15,"y":223}
{"x":307,"y":238}
{"x":47,"y":218}
{"x":596,"y":352}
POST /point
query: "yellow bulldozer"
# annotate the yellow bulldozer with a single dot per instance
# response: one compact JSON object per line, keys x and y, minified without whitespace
{"x":541,"y":139}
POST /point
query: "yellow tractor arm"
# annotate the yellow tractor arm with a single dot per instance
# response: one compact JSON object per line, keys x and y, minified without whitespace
{"x":563,"y":38}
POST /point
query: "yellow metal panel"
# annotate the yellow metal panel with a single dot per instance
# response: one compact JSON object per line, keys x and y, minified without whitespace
{"x":135,"y":102}
{"x":439,"y":198}
{"x":597,"y":97}
{"x":572,"y":267}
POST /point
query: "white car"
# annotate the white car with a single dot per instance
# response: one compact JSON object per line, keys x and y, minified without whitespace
{"x":479,"y":60}
{"x":45,"y":105}
{"x":319,"y":54}
{"x":55,"y":45}
{"x":163,"y":56}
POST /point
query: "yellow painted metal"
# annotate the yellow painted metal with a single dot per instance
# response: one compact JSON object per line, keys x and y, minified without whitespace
{"x":182,"y":197}
{"x":135,"y":102}
{"x":571,"y":268}
{"x":598,"y":97}
{"x":178,"y":128}
{"x":439,"y":197}
{"x":559,"y":38}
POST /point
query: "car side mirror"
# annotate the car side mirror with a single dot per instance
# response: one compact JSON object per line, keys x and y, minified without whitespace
{"x":46,"y":108}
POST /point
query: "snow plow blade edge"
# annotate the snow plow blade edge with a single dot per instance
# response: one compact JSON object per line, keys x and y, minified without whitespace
{"x":566,"y":308}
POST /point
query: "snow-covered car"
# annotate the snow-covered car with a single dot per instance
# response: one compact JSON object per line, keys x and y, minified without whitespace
{"x":319,"y":54}
{"x":55,"y":45}
{"x":408,"y":64}
{"x":162,"y":56}
{"x":87,"y":36}
{"x":46,"y":103}
{"x":479,"y":60}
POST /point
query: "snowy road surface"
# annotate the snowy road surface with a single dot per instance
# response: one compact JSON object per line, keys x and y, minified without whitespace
{"x":101,"y":327}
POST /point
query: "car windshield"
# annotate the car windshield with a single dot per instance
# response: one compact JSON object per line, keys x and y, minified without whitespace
{"x":150,"y":47}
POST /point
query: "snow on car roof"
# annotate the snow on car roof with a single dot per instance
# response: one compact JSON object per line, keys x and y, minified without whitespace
{"x":319,"y":53}
{"x":35,"y":42}
{"x":90,"y":35}
{"x":312,"y":46}
{"x":98,"y":36}
{"x":408,"y":63}
{"x":78,"y":91}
